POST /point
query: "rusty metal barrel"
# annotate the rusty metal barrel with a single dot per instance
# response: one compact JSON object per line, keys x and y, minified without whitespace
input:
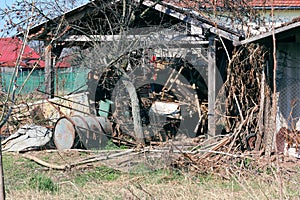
{"x":89,"y":131}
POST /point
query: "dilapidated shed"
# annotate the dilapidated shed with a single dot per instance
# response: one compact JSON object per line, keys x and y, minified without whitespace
{"x":156,"y":36}
{"x":175,"y":63}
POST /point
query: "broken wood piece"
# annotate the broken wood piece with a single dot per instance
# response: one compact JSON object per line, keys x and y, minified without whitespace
{"x":79,"y":162}
{"x":46,"y":164}
{"x":215,"y":148}
{"x":176,"y":77}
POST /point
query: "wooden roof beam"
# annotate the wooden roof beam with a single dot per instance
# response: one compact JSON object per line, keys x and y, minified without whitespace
{"x":203,"y":23}
{"x":111,"y":38}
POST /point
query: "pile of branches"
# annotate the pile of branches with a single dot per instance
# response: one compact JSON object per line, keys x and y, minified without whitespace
{"x":246,"y":98}
{"x":222,"y":159}
{"x":213,"y":158}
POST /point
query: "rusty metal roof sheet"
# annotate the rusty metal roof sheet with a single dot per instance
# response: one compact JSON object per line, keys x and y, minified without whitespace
{"x":276,"y":3}
{"x":221,"y":3}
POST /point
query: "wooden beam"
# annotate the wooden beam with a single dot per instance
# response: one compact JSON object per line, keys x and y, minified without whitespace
{"x":49,"y":71}
{"x":212,"y":70}
{"x":183,"y":39}
{"x":147,"y":37}
{"x":191,"y":18}
{"x":289,"y":27}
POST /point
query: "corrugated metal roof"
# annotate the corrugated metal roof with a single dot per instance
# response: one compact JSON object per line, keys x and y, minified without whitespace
{"x":10,"y":49}
{"x":276,"y":3}
{"x":221,"y":3}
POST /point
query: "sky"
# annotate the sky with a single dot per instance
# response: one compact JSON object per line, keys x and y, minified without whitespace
{"x":3,"y":4}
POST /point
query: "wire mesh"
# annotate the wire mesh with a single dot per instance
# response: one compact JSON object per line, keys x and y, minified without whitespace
{"x":66,"y":80}
{"x":288,"y":113}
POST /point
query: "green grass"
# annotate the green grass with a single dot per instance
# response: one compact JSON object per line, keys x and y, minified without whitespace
{"x":204,"y":178}
{"x":111,"y":146}
{"x":231,"y":185}
{"x":24,"y":179}
{"x":163,"y":176}
{"x":42,"y":182}
{"x":16,"y":169}
{"x":22,"y":174}
{"x":101,"y":173}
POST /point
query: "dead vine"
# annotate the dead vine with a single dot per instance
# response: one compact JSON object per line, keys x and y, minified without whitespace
{"x":242,"y":92}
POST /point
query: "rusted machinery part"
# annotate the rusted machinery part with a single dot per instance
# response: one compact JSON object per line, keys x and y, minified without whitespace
{"x":64,"y":134}
{"x":89,"y":130}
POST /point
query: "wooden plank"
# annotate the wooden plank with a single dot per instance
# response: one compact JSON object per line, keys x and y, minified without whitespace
{"x":110,"y":38}
{"x":212,"y":68}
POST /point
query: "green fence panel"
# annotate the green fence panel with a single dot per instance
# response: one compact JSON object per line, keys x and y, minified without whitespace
{"x":66,"y":80}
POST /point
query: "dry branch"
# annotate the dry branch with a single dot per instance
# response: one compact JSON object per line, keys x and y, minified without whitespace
{"x":215,"y":148}
{"x":46,"y":164}
{"x":79,"y":162}
{"x":244,"y":91}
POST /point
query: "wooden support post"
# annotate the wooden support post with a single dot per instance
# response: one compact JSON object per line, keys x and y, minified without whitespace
{"x":211,"y":86}
{"x":49,"y":72}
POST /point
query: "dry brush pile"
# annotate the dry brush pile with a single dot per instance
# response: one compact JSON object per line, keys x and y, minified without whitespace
{"x":247,"y":109}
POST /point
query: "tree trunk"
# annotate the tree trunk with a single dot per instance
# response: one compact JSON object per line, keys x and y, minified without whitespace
{"x":2,"y":188}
